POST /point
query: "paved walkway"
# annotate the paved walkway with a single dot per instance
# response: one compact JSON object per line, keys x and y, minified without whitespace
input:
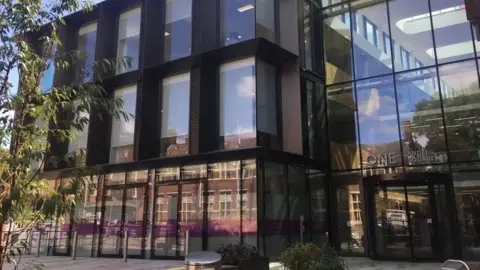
{"x":61,"y":263}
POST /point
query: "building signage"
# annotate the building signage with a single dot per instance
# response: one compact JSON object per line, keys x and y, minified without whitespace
{"x":414,"y":156}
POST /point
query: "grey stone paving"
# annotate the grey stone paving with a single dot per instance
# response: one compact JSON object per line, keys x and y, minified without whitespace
{"x":61,"y":263}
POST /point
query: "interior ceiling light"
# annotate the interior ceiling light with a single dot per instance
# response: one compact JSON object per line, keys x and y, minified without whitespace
{"x":442,"y":18}
{"x":167,"y":34}
{"x":245,"y":8}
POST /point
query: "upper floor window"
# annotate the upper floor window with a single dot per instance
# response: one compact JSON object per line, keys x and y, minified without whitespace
{"x":242,"y":20}
{"x":121,"y":143}
{"x":129,"y":39}
{"x":387,"y":43}
{"x":78,"y":145}
{"x":175,"y":115}
{"x":46,"y":82}
{"x":87,"y":41}
{"x":371,"y":32}
{"x":178,"y":29}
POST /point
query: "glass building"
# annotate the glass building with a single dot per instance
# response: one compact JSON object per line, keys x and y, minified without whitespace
{"x":352,"y":123}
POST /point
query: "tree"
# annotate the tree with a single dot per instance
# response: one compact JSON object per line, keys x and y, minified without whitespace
{"x":29,"y":43}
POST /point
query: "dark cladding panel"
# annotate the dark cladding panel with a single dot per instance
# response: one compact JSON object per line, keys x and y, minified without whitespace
{"x":153,"y":33}
{"x":148,"y":118}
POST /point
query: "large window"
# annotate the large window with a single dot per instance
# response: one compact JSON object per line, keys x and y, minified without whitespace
{"x":129,"y":39}
{"x":237,"y":21}
{"x":178,"y":29}
{"x":121,"y":143}
{"x":87,"y":41}
{"x":237,"y":94}
{"x":78,"y":145}
{"x":175,"y":112}
{"x":46,"y":82}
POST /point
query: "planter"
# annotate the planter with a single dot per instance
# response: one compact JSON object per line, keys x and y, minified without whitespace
{"x":258,"y":263}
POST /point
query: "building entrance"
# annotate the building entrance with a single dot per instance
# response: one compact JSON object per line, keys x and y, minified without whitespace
{"x":409,"y":216}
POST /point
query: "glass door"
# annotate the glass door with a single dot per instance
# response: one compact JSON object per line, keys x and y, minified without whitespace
{"x":409,"y":220}
{"x":124,"y":208}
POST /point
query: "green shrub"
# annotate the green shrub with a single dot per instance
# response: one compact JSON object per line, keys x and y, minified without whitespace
{"x":309,"y":256}
{"x":232,"y":254}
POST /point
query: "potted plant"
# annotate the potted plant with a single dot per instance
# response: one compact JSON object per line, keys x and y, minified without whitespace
{"x":243,"y":257}
{"x":309,"y":256}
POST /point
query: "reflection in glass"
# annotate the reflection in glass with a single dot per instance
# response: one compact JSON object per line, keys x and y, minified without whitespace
{"x":338,"y":49}
{"x":342,"y":114}
{"x":298,"y":201}
{"x":411,"y":34}
{"x":467,"y":198}
{"x":421,"y":221}
{"x":46,"y":82}
{"x":165,"y":219}
{"x":224,"y":204}
{"x":453,"y":36}
{"x":265,"y":19}
{"x":77,"y":147}
{"x":392,"y":235}
{"x":115,"y":178}
{"x":421,"y":117}
{"x":175,"y":115}
{"x":194,"y":172}
{"x":461,"y":101}
{"x":191,"y":217}
{"x":167,"y":174}
{"x":84,"y":217}
{"x":121,"y":143}
{"x":350,"y":207}
{"x":178,"y":29}
{"x":247,"y":202}
{"x":274,"y":225}
{"x":266,"y":99}
{"x":87,"y":42}
{"x":369,"y":57}
{"x":318,"y":203}
{"x":129,"y":39}
{"x":237,"y":21}
{"x":307,"y":32}
{"x":137,"y":177}
{"x":134,"y":211}
{"x":111,"y":242}
{"x":377,"y":114}
{"x":237,"y":94}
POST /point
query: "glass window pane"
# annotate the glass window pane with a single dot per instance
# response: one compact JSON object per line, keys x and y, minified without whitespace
{"x":467,"y":197}
{"x":274,"y":226}
{"x":378,"y":123}
{"x":77,"y":147}
{"x":338,"y":52}
{"x":461,"y":101}
{"x":266,"y":104}
{"x":129,"y":39}
{"x":247,"y":198}
{"x":307,"y":32}
{"x":237,"y":94}
{"x":453,"y":36}
{"x":411,"y":31}
{"x":224,"y":213}
{"x":297,"y":200}
{"x":121,"y":144}
{"x":115,"y":178}
{"x":265,"y":16}
{"x":167,"y":174}
{"x":46,"y":82}
{"x":342,"y":114}
{"x":137,"y":177}
{"x":194,"y":172}
{"x":370,"y":60}
{"x":318,"y":202}
{"x":421,"y":118}
{"x":178,"y":29}
{"x":87,"y":42}
{"x":237,"y":21}
{"x":175,"y":115}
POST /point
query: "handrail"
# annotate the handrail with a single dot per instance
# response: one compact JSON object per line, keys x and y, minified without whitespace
{"x":456,"y":261}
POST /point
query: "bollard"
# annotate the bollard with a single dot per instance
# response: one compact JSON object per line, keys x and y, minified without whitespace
{"x":75,"y":242}
{"x":38,"y":244}
{"x":187,"y":241}
{"x":301,"y":229}
{"x":125,"y":245}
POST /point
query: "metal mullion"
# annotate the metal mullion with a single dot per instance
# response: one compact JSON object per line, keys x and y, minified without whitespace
{"x":407,"y":208}
{"x":437,"y":69}
{"x":395,"y":90}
